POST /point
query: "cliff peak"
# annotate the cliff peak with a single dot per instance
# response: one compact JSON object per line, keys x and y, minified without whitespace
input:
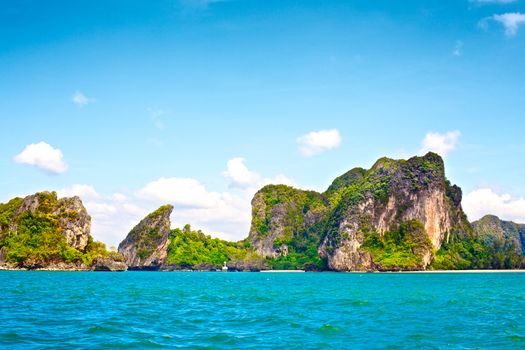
{"x":145,"y":246}
{"x":351,"y":223}
{"x":44,"y":231}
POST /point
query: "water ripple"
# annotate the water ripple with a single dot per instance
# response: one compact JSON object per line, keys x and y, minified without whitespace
{"x":148,"y":310}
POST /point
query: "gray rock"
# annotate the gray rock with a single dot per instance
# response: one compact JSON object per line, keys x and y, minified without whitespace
{"x":108,"y":264}
{"x":146,"y":245}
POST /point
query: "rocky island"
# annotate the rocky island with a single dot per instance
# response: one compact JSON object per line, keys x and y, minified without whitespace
{"x":41,"y":231}
{"x":399,"y":215}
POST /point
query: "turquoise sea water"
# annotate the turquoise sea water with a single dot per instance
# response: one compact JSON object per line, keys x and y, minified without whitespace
{"x":261,"y":311}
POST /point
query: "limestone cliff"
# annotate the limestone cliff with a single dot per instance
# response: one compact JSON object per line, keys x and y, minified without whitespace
{"x":43,"y":231}
{"x":389,"y":194}
{"x":502,"y":235}
{"x":393,"y":216}
{"x":72,"y":218}
{"x":146,"y":245}
{"x":279,"y":214}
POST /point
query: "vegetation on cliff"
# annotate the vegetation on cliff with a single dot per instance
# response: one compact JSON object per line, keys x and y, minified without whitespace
{"x":398,"y":215}
{"x":153,"y":245}
{"x":190,"y":249}
{"x":146,"y":244}
{"x":33,"y":233}
{"x":401,"y":248}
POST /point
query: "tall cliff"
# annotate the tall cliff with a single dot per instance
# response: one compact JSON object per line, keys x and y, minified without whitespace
{"x":146,"y":245}
{"x":393,"y":216}
{"x":43,"y":231}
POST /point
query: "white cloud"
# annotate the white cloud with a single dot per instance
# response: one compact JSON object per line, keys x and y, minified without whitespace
{"x":485,"y":201}
{"x":226,"y":215}
{"x":458,"y":48}
{"x":223,"y":214}
{"x":81,"y":100}
{"x":317,"y":142}
{"x":239,"y":174}
{"x":511,"y":22}
{"x":181,"y":191}
{"x":250,"y":182}
{"x":83,"y":191}
{"x":112,"y":217}
{"x":119,"y":197}
{"x":43,"y":156}
{"x":442,"y":144}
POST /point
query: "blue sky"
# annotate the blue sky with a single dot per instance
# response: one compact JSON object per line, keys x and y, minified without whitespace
{"x":131,"y":104}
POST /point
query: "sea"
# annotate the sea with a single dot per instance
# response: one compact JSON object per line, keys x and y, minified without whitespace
{"x":206,"y":310}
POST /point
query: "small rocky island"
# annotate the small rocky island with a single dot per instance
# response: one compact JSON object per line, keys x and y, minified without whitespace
{"x":43,"y":232}
{"x":399,"y":215}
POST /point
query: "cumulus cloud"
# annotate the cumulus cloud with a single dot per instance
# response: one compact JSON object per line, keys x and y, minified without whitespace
{"x":112,"y":216}
{"x":226,"y":215}
{"x":317,"y":142}
{"x":510,"y":21}
{"x":442,"y":144}
{"x":485,"y":201}
{"x":249,"y":181}
{"x":81,"y":100}
{"x":239,"y":174}
{"x":43,"y":156}
{"x":83,"y":191}
{"x":185,"y":192}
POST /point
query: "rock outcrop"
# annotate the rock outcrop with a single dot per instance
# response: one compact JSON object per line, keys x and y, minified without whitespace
{"x":146,"y":245}
{"x":363,"y":215}
{"x":108,"y":264}
{"x":500,"y":234}
{"x":279,"y":214}
{"x":42,"y":231}
{"x":73,"y":220}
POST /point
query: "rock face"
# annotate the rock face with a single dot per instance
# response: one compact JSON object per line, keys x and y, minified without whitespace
{"x":108,"y":264}
{"x":500,"y":234}
{"x":281,"y":212}
{"x":73,"y":219}
{"x":146,"y":245}
{"x":41,"y":231}
{"x":405,"y":200}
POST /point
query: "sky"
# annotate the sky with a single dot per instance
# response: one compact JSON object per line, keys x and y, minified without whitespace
{"x":199,"y":103}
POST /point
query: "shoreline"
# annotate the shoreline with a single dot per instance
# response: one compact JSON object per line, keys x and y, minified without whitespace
{"x":477,"y":271}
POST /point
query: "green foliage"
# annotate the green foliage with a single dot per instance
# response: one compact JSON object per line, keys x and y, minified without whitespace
{"x":7,"y":212}
{"x":422,"y":171}
{"x":296,"y":204}
{"x":38,"y":240}
{"x":470,"y":252}
{"x":302,"y":251}
{"x":400,"y":248}
{"x":160,"y":211}
{"x":47,"y":201}
{"x":189,"y":249}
